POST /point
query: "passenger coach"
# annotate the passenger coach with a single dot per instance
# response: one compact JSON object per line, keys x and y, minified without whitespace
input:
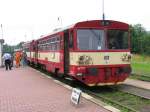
{"x":94,"y":52}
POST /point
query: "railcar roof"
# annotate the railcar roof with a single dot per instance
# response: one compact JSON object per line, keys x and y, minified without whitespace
{"x":57,"y":30}
{"x":89,"y":23}
{"x":27,"y":43}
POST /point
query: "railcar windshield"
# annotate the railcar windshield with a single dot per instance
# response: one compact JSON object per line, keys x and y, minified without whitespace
{"x":90,"y":39}
{"x":117,"y":39}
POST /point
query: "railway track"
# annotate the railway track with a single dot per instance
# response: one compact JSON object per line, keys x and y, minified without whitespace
{"x":141,"y":77}
{"x":108,"y":100}
{"x":143,"y":93}
{"x":139,"y":94}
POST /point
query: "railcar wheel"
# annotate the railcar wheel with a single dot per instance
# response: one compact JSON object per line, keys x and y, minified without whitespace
{"x":43,"y":67}
{"x":60,"y":75}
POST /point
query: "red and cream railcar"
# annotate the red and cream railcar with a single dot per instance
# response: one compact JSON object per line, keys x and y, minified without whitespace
{"x":27,"y":50}
{"x":30,"y":49}
{"x":94,"y":52}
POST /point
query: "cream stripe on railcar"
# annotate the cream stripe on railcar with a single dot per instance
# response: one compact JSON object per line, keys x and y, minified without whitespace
{"x":32,"y":55}
{"x":97,"y":58}
{"x":50,"y":56}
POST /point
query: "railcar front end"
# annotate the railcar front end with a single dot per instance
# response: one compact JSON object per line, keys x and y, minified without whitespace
{"x":101,"y":54}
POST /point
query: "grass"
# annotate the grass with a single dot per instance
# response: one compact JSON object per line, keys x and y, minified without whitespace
{"x":141,"y":67}
{"x":128,"y":100}
{"x":141,"y":64}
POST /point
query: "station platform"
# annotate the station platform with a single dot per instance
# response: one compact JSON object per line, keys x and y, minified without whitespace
{"x":138,"y":83}
{"x":26,"y":90}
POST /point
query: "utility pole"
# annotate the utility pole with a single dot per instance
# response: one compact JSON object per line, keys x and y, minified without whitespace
{"x":60,"y":21}
{"x":1,"y":45}
{"x":103,"y":9}
{"x":2,"y":31}
{"x":25,"y":37}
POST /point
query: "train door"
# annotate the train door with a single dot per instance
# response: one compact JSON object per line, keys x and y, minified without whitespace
{"x":36,"y":52}
{"x":30,"y":50}
{"x":66,"y":51}
{"x":34,"y":49}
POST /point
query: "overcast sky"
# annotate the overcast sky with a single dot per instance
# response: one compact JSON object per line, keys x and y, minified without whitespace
{"x":24,"y":20}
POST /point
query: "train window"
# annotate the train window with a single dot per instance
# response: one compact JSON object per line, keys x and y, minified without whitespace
{"x":34,"y":48}
{"x":71,"y":40}
{"x":45,"y":48}
{"x":52,"y":40}
{"x":117,"y":39}
{"x":58,"y":39}
{"x":27,"y":49}
{"x":58,"y":46}
{"x":90,"y":39}
{"x":47,"y":41}
{"x":55,"y":46}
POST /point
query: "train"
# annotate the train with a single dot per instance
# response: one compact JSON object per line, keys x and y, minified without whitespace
{"x":94,"y":52}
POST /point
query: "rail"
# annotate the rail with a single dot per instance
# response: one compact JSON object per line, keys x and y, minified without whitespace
{"x":143,"y":93}
{"x":141,"y":77}
{"x":110,"y":101}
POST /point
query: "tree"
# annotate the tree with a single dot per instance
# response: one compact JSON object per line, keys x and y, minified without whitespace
{"x":8,"y":48}
{"x":138,"y":38}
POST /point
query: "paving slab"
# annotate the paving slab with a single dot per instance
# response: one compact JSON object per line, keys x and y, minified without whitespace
{"x":25,"y":90}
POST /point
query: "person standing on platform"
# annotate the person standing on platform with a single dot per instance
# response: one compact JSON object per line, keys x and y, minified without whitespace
{"x":7,"y":59}
{"x":17,"y":58}
{"x":24,"y":58}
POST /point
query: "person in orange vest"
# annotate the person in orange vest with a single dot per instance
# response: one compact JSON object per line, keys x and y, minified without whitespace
{"x":17,"y":58}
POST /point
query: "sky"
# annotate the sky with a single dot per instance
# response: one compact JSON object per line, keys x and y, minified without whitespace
{"x":25,"y":20}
